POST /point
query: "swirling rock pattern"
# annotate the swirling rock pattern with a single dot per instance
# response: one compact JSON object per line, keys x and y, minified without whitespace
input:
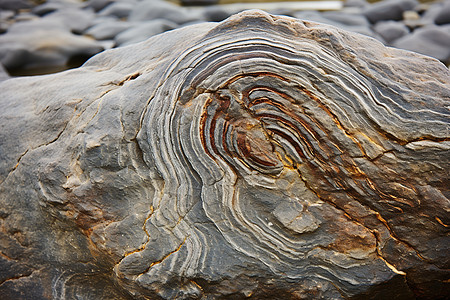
{"x":260,"y":157}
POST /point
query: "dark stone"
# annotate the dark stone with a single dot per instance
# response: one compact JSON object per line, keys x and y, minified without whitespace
{"x":443,"y":17}
{"x":76,"y":20}
{"x":108,"y":30}
{"x":97,"y":5}
{"x":261,"y":157}
{"x":3,"y":75}
{"x":44,"y":44}
{"x":388,"y":10}
{"x":143,"y":31}
{"x":430,"y":40}
{"x":215,"y":14}
{"x":349,"y":22}
{"x":118,"y":9}
{"x":431,"y":12}
{"x":15,"y":5}
{"x":356,"y":3}
{"x":198,"y":2}
{"x":391,"y":30}
{"x":50,"y":7}
{"x":6,"y":17}
{"x":148,"y":10}
{"x":347,"y":19}
{"x":25,"y":16}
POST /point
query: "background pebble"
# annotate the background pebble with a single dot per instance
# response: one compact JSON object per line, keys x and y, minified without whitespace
{"x":59,"y":34}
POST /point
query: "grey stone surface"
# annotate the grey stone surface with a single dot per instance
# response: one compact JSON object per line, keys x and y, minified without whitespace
{"x":388,"y":10}
{"x":431,"y":12}
{"x":15,"y":5}
{"x":430,"y":40}
{"x":143,"y":31}
{"x":23,"y":16}
{"x":6,"y":17}
{"x":76,"y":20}
{"x":52,"y":6}
{"x":97,"y":5}
{"x":346,"y":19}
{"x":43,"y":43}
{"x":215,"y":14}
{"x":391,"y":30}
{"x":261,"y":157}
{"x":358,"y":25}
{"x":443,"y":17}
{"x":356,"y":3}
{"x":121,"y":9}
{"x":156,"y":9}
{"x":108,"y":30}
{"x":3,"y":73}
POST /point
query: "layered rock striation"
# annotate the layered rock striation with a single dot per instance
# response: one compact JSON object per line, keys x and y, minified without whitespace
{"x":263,"y":157}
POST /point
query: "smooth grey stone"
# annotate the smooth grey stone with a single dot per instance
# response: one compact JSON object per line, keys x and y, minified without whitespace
{"x":3,"y":73}
{"x":6,"y":18}
{"x":443,"y":17}
{"x":39,"y":24}
{"x":388,"y":10}
{"x":321,"y":18}
{"x":198,"y":2}
{"x":24,"y":16}
{"x":118,"y":9}
{"x":432,"y":12}
{"x":391,"y":30}
{"x":6,"y":15}
{"x":346,"y":18}
{"x":155,"y":9}
{"x":430,"y":40}
{"x":15,"y":5}
{"x":215,"y":14}
{"x":142,"y":31}
{"x":356,"y":3}
{"x":43,"y":43}
{"x":97,"y":5}
{"x":76,"y":20}
{"x":282,"y":11}
{"x":103,"y":19}
{"x":108,"y":30}
{"x":53,"y":6}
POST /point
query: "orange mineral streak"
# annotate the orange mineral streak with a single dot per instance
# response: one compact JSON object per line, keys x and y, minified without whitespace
{"x":197,"y":285}
{"x":442,"y":223}
{"x":165,"y":257}
{"x":144,"y":227}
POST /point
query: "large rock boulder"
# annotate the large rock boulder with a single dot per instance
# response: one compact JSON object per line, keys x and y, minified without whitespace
{"x":260,"y":157}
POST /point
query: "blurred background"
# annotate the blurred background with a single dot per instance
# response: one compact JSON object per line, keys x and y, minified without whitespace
{"x":48,"y":36}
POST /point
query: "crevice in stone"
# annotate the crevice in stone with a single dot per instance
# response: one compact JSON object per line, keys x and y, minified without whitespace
{"x":165,"y":257}
{"x":28,"y":274}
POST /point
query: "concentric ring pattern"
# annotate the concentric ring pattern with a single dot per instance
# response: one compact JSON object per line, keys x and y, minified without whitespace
{"x":258,"y":138}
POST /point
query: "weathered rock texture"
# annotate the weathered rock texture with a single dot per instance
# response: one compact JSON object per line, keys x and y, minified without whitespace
{"x":261,"y":157}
